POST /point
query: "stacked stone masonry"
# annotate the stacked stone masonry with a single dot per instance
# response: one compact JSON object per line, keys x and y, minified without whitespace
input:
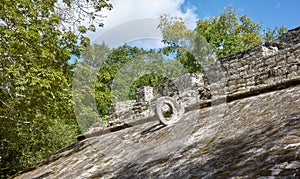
{"x":253,"y":70}
{"x":187,"y":89}
{"x":262,"y":67}
{"x":275,"y":62}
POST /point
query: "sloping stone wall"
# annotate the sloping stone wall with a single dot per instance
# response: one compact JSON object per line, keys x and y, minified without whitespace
{"x":253,"y":137}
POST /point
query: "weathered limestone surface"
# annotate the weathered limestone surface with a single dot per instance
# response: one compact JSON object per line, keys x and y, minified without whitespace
{"x":253,"y":133}
{"x":253,"y":137}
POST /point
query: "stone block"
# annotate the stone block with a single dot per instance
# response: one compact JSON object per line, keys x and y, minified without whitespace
{"x":144,"y":94}
{"x":293,"y":68}
{"x":292,"y":59}
{"x":270,"y":61}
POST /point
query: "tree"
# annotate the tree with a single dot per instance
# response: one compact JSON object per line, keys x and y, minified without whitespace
{"x":149,"y":69}
{"x":216,"y":37}
{"x":189,"y":48}
{"x":94,"y":77}
{"x":35,"y":107}
{"x":271,"y":34}
{"x":229,"y":33}
{"x":91,"y":96}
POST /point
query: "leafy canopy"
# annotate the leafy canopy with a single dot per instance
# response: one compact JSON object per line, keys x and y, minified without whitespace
{"x":224,"y":34}
{"x":229,"y":33}
{"x":37,"y":40}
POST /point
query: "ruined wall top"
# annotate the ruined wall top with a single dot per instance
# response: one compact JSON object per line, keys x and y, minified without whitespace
{"x":286,"y":40}
{"x":257,"y":70}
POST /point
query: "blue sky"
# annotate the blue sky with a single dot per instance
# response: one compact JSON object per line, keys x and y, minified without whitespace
{"x":269,"y":12}
{"x":119,"y":28}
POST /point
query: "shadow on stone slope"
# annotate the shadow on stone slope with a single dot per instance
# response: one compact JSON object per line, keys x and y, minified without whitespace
{"x":264,"y":151}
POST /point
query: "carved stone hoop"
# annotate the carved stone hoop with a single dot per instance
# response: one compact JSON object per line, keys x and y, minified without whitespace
{"x":167,"y":110}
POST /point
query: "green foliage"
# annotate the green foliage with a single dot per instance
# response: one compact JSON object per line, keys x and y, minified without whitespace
{"x":271,"y":34}
{"x":229,"y":33}
{"x":108,"y":71}
{"x":36,"y":110}
{"x":94,"y":78}
{"x":149,"y":79}
{"x":174,"y":30}
{"x":216,"y":37}
{"x":140,"y":70}
{"x":87,"y":89}
{"x":190,"y":48}
{"x":112,"y":75}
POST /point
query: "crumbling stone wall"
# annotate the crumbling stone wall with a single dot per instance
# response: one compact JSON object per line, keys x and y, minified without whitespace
{"x":257,"y":69}
{"x":261,"y":66}
{"x":186,"y":89}
{"x":144,"y":94}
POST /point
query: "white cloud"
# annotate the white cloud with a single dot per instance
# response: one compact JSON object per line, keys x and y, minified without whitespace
{"x":277,"y":6}
{"x":124,"y":11}
{"x":130,"y":31}
{"x":117,"y":23}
